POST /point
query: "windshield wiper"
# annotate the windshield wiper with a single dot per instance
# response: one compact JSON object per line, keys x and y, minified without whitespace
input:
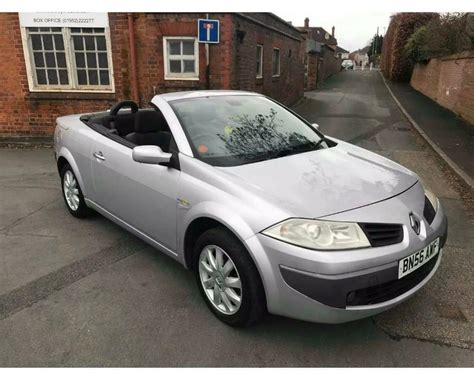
{"x":287,"y":152}
{"x":320,"y":141}
{"x":300,"y":149}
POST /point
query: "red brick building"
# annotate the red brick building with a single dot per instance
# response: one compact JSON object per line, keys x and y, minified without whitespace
{"x":323,"y":58}
{"x":60,"y":64}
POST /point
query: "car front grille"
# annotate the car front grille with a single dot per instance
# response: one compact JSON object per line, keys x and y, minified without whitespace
{"x":389,"y":290}
{"x":428,"y":212}
{"x":382,"y":234}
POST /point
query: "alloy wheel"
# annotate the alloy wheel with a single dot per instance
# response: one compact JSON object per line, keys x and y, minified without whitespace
{"x":71,"y":190}
{"x":220,"y":279}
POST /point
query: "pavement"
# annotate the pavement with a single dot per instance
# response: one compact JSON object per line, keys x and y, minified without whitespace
{"x":449,"y":135}
{"x":86,"y":293}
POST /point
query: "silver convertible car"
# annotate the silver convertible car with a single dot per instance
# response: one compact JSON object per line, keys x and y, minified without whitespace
{"x":270,"y":214}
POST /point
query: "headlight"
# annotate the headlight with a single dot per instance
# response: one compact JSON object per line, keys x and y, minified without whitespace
{"x":319,"y":235}
{"x":431,"y":197}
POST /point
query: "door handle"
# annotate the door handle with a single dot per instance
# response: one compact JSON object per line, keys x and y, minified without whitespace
{"x":99,"y":156}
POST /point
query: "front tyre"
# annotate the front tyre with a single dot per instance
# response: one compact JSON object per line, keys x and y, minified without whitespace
{"x":72,"y":193}
{"x":228,"y":279}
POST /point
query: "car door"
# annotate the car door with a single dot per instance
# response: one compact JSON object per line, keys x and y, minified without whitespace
{"x":142,"y":195}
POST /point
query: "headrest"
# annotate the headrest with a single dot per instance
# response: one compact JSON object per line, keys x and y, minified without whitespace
{"x":107,"y":120}
{"x":149,"y":121}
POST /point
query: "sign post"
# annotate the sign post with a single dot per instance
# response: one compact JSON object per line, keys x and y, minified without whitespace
{"x":208,"y":32}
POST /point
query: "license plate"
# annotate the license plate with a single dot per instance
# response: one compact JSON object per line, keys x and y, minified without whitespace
{"x":416,"y":260}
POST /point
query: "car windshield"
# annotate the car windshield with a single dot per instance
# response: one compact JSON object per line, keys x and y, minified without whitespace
{"x":239,"y":129}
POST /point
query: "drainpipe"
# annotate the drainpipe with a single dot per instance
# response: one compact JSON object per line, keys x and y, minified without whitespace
{"x":133,"y":58}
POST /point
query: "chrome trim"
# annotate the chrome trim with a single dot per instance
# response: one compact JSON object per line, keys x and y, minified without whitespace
{"x":99,"y":156}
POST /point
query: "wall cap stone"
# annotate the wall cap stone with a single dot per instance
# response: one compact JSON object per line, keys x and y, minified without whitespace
{"x":460,"y":55}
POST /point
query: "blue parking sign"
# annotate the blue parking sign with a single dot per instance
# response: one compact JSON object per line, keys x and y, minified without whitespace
{"x":208,"y":31}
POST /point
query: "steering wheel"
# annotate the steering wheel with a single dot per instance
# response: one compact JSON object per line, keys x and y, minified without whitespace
{"x":123,"y":104}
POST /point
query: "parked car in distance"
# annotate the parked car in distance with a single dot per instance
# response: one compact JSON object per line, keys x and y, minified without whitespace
{"x":270,"y":214}
{"x":347,"y":64}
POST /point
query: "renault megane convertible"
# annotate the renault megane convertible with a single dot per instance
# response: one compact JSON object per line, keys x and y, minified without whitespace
{"x":270,"y":214}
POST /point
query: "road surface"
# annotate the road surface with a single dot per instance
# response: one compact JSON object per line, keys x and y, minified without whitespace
{"x":85,"y":293}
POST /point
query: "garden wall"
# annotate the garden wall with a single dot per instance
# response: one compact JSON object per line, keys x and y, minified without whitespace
{"x":449,"y":81}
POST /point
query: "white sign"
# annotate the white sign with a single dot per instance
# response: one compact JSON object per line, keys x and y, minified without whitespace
{"x":64,"y":19}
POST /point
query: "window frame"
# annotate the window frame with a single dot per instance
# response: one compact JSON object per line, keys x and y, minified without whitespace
{"x":180,"y":76}
{"x":191,"y":145}
{"x":73,"y":61}
{"x":259,"y":75}
{"x":279,"y":61}
{"x":73,"y":86}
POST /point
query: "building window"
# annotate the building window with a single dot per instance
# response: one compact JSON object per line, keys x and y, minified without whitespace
{"x":259,"y":61}
{"x":49,"y":57}
{"x":181,"y":57}
{"x":276,"y":62}
{"x":69,"y":59}
{"x":90,"y":57}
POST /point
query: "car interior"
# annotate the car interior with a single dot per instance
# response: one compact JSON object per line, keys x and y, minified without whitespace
{"x":137,"y":126}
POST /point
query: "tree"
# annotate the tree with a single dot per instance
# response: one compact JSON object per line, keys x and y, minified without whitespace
{"x":394,"y":63}
{"x":375,"y":48}
{"x":441,"y":36}
{"x":447,"y":35}
{"x":415,"y":48}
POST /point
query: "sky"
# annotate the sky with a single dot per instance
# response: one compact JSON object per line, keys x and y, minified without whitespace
{"x":354,"y":29}
{"x":356,"y":21}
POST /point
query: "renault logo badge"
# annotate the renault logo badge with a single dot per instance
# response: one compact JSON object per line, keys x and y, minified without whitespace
{"x":415,"y":223}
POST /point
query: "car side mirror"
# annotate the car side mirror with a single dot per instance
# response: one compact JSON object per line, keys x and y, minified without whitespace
{"x":315,"y":126}
{"x":151,"y":154}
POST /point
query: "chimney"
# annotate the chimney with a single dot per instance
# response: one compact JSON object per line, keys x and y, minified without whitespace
{"x":306,"y":22}
{"x":333,"y":30}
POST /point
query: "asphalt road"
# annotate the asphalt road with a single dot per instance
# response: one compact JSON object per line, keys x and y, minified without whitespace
{"x":85,"y":293}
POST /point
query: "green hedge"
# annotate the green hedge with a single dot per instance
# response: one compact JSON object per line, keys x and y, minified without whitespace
{"x":443,"y":35}
{"x":395,"y":64}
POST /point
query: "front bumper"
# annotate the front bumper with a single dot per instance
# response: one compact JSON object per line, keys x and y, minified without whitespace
{"x":358,"y":290}
{"x":334,"y":287}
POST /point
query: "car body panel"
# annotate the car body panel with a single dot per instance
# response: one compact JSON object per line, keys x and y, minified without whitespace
{"x":73,"y":140}
{"x":143,"y":194}
{"x":310,"y":184}
{"x":212,"y":194}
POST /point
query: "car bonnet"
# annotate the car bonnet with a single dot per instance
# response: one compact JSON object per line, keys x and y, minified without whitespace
{"x":326,"y":181}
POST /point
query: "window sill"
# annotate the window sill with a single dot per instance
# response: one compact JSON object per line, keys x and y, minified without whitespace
{"x":182,"y":78}
{"x":71,"y":95}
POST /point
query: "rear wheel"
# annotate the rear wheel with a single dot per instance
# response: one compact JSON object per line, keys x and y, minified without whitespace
{"x":228,"y":279}
{"x":72,"y":193}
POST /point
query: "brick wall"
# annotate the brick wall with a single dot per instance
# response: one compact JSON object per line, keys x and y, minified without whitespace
{"x":26,"y":113}
{"x":288,"y":88}
{"x":312,"y":76}
{"x":449,"y":81}
{"x":13,"y":80}
{"x":232,"y":66}
{"x":330,"y":64}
